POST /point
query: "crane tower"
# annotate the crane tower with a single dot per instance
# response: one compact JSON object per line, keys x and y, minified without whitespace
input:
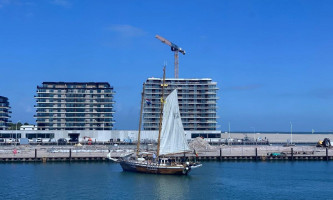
{"x":175,"y":49}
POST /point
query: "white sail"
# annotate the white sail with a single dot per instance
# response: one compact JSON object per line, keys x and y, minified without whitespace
{"x":172,"y":135}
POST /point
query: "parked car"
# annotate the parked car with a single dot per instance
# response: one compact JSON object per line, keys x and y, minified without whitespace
{"x":9,"y":140}
{"x":62,"y":141}
{"x":73,"y":140}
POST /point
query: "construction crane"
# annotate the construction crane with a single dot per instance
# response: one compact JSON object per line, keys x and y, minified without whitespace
{"x":175,"y":49}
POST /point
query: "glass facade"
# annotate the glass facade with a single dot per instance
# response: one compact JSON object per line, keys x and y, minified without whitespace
{"x":74,"y":106}
{"x":4,"y":113}
{"x":197,"y":102}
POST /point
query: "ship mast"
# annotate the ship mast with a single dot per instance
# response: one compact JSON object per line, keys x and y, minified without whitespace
{"x":140,"y":121}
{"x":161,"y":113}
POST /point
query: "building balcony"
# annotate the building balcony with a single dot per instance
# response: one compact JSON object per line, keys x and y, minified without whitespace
{"x":75,"y":115}
{"x":66,"y":98}
{"x":172,"y":87}
{"x":184,"y":121}
{"x":49,"y":123}
{"x":75,"y":93}
{"x":62,"y":108}
{"x":181,"y":92}
{"x":77,"y":112}
{"x":75,"y":102}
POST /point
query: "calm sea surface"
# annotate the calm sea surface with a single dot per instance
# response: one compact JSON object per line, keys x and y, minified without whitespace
{"x":215,"y":180}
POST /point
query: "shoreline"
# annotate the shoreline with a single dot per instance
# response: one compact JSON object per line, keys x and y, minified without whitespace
{"x":213,"y":153}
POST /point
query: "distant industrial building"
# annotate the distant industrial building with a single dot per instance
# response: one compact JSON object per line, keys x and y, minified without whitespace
{"x":4,"y":113}
{"x":74,"y":106}
{"x":197,"y":102}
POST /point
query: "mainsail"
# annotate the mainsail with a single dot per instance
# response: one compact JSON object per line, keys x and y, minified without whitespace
{"x":172,"y":135}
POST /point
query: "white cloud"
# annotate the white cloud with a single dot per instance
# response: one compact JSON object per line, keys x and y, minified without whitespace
{"x":246,"y":87}
{"x":127,"y":30}
{"x":29,"y":109}
{"x":63,"y":3}
{"x":4,"y":3}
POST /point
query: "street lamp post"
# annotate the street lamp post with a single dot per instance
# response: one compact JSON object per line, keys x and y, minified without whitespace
{"x":229,"y":130}
{"x":16,"y":133}
{"x":254,"y":134}
{"x":291,"y":133}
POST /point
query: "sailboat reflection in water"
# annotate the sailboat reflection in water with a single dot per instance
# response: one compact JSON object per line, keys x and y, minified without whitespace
{"x":171,"y":141}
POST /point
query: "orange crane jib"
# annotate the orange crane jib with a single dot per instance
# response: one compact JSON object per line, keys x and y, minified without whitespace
{"x":173,"y":46}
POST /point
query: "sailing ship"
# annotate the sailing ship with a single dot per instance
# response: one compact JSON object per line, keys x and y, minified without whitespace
{"x":171,"y":141}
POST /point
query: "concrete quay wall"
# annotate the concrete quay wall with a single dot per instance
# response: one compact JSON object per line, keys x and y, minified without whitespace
{"x":221,"y":153}
{"x":282,"y":138}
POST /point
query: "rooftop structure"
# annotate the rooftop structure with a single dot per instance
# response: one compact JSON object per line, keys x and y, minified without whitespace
{"x":74,"y":106}
{"x":28,"y":127}
{"x":197,"y":102}
{"x":4,"y":113}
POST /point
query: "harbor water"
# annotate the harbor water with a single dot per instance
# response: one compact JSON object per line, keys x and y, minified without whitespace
{"x":215,"y":180}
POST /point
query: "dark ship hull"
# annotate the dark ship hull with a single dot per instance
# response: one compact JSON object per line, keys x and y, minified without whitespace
{"x":155,"y":168}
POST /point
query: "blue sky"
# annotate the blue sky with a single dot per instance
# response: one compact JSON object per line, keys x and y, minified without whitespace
{"x":272,"y":59}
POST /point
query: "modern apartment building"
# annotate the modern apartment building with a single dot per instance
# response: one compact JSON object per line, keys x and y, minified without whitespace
{"x":74,"y":106}
{"x":4,"y":113}
{"x":197,"y":102}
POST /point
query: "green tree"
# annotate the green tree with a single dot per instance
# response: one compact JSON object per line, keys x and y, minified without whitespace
{"x":12,"y":126}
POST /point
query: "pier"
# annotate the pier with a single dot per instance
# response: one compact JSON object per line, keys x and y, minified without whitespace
{"x":222,"y":153}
